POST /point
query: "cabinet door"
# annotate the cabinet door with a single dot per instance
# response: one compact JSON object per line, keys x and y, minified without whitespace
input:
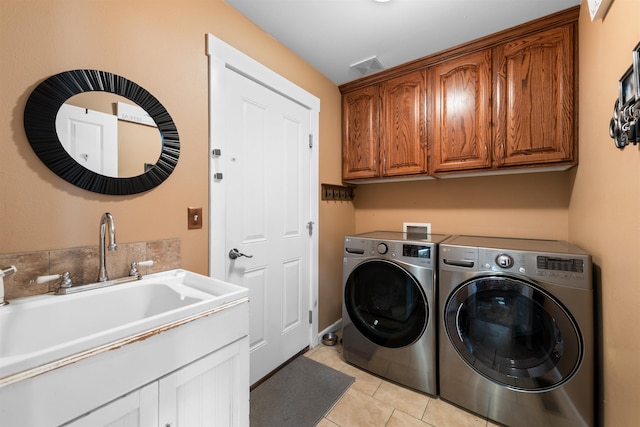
{"x":212,"y":391}
{"x":462,"y":113}
{"x":360,"y":128}
{"x":137,"y":409}
{"x":403,"y":138}
{"x":535,"y":105}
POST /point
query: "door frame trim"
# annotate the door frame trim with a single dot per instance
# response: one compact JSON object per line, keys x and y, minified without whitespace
{"x":223,"y":56}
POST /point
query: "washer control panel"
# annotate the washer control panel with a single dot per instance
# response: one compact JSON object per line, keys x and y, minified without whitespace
{"x":557,"y":268}
{"x":417,"y":253}
{"x":556,"y":262}
{"x":499,"y":260}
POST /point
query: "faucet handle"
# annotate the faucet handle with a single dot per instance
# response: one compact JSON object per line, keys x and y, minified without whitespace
{"x":135,"y":265}
{"x":8,"y":271}
{"x":44,"y":279}
{"x":66,"y":279}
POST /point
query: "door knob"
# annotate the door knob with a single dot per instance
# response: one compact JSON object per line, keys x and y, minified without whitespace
{"x":234,"y":253}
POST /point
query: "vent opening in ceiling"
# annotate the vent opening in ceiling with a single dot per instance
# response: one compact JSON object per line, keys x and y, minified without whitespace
{"x":368,"y":66}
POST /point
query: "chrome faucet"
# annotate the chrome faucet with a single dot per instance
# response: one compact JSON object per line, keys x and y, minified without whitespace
{"x":106,"y":218}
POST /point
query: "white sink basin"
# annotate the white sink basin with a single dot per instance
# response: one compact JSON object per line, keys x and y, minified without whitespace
{"x":40,"y":330}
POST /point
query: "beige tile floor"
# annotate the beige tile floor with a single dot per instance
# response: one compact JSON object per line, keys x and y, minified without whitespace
{"x":374,"y":402}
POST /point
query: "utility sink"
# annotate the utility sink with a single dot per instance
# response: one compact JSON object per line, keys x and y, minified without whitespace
{"x":43,"y":330}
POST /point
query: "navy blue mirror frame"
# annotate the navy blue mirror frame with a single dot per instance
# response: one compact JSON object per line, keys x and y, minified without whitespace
{"x":40,"y":126}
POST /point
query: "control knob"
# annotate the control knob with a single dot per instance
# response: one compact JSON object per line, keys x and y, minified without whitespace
{"x":504,"y":261}
{"x":382,"y":248}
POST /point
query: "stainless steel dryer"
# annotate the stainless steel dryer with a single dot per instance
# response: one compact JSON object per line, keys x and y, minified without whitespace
{"x":516,"y":330}
{"x":389,"y":308}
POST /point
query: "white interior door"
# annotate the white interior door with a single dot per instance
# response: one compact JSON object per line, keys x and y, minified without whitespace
{"x":267,"y":204}
{"x":90,"y":137}
{"x":261,"y":205}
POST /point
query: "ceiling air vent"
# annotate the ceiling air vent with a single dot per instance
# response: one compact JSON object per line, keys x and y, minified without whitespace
{"x":368,"y":66}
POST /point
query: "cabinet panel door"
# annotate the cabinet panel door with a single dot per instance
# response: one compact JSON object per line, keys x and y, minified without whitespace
{"x":535,"y":105}
{"x":403,"y":138}
{"x":462,"y":113}
{"x":360,"y":127}
{"x":212,"y":391}
{"x":137,"y":409}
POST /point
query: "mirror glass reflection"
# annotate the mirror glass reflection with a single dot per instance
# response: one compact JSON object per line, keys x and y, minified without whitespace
{"x":108,"y":134}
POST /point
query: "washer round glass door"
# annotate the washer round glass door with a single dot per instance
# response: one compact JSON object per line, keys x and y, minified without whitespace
{"x":513,"y":333}
{"x":386,"y":303}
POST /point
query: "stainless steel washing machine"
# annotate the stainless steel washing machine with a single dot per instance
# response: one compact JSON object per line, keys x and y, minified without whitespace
{"x":516,"y":330}
{"x":389,"y":306}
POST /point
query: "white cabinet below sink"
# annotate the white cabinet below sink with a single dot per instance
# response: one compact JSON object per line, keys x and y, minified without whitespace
{"x":206,"y":392}
{"x":195,"y":368}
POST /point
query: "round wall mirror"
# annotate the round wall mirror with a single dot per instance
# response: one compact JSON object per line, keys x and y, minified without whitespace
{"x":101,"y":132}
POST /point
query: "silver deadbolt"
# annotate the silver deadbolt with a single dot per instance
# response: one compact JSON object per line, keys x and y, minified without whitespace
{"x":234,"y":253}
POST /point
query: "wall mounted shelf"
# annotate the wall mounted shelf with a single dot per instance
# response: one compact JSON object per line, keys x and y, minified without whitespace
{"x":338,"y":192}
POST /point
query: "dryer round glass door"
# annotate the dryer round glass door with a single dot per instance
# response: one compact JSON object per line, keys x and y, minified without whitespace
{"x":513,"y":333}
{"x":386,"y":303}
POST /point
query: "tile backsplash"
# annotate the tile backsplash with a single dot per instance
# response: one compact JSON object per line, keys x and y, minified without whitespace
{"x":83,"y":264}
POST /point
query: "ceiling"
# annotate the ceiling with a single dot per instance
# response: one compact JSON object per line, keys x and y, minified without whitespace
{"x":333,"y":35}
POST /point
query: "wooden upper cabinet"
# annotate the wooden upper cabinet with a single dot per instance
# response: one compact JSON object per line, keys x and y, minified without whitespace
{"x":506,"y":102}
{"x":403,"y":139}
{"x":535,"y":115}
{"x":462,"y":113}
{"x":360,"y":133}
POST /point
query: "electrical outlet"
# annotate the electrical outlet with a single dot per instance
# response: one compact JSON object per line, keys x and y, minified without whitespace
{"x":194,"y":218}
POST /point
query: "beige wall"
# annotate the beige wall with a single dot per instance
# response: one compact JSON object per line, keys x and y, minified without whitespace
{"x":523,"y":205}
{"x":161,"y":46}
{"x":605,"y":204}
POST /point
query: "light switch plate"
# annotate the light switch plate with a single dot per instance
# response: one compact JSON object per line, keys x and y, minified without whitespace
{"x":194,"y":218}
